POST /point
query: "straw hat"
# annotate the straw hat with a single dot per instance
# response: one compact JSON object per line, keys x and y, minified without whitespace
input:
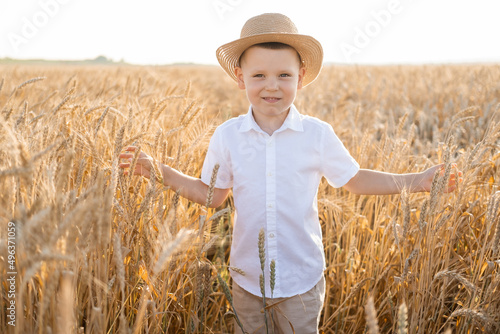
{"x":271,"y":27}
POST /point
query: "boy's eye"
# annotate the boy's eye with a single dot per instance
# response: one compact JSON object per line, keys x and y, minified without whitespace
{"x":258,"y":75}
{"x":285,"y":75}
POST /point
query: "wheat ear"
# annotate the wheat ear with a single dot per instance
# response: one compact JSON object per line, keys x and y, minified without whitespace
{"x":211,"y":187}
{"x":262,"y":257}
{"x":402,"y":319}
{"x":229,"y":298}
{"x":371,"y":317}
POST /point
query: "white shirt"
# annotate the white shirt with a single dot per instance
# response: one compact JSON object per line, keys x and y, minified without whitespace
{"x":275,"y":182}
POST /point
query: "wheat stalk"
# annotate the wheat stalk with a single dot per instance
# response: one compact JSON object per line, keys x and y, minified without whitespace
{"x":229,"y":298}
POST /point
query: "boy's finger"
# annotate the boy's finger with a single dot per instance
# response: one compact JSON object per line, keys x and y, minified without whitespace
{"x":130,"y":149}
{"x":126,"y":163}
{"x":126,"y":156}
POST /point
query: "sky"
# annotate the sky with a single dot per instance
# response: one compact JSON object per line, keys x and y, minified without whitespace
{"x":154,"y":32}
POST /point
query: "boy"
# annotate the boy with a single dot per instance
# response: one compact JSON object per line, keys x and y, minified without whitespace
{"x":274,"y":158}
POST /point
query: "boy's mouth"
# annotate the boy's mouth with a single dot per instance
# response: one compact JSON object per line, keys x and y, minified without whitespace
{"x":271,"y":99}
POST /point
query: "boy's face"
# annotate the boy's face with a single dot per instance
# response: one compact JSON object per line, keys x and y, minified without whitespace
{"x":271,"y":79}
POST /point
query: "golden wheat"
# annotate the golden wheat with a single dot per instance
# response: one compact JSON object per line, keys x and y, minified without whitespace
{"x":99,"y":251}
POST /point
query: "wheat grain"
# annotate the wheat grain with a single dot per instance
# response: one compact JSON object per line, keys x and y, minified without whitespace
{"x":262,"y":249}
{"x":422,"y":223}
{"x":371,"y":317}
{"x":133,"y":164}
{"x":406,"y":212}
{"x":237,"y":270}
{"x":182,"y":236}
{"x":402,"y":319}
{"x":406,"y":269}
{"x":101,"y":119}
{"x":22,"y":117}
{"x":350,"y":254}
{"x":454,"y":275}
{"x":186,"y":112}
{"x":202,"y":276}
{"x":65,"y":170}
{"x":192,"y":117}
{"x":187,"y":90}
{"x":90,"y":110}
{"x":272,"y":276}
{"x":262,"y":281}
{"x":493,"y":217}
{"x":28,"y":82}
{"x":220,"y":213}
{"x":67,"y":97}
{"x":434,"y":193}
{"x":355,"y":289}
{"x":210,"y":243}
{"x":118,"y":260}
{"x":401,"y":124}
{"x":211,"y":187}
{"x":395,"y":232}
{"x":475,"y":315}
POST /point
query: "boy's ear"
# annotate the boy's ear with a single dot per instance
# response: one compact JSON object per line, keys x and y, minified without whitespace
{"x":302,"y":72}
{"x":239,"y":76}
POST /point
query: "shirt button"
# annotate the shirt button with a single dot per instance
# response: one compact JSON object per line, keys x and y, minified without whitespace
{"x":271,"y":235}
{"x":269,"y":174}
{"x":270,"y":205}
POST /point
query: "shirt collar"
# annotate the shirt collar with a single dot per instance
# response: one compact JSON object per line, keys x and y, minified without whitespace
{"x":293,"y":121}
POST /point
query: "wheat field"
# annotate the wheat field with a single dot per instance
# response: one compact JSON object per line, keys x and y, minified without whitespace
{"x":97,"y":251}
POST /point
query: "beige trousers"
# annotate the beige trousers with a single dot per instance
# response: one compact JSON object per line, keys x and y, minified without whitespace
{"x":300,"y":312}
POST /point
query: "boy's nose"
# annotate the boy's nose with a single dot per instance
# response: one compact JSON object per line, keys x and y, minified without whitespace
{"x":272,"y":84}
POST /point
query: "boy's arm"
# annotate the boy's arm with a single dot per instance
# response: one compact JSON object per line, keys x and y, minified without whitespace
{"x":189,"y":187}
{"x":371,"y":182}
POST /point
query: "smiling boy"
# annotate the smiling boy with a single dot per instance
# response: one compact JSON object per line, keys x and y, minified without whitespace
{"x":274,"y":158}
{"x":271,"y":77}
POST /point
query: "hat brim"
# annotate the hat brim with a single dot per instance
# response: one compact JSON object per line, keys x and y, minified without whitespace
{"x":309,"y":49}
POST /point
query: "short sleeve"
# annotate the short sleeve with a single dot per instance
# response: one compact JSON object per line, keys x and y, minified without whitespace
{"x":338,"y":166}
{"x":216,"y":154}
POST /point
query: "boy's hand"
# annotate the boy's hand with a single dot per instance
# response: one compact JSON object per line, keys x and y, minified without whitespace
{"x":455,"y":177}
{"x":143,"y":165}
